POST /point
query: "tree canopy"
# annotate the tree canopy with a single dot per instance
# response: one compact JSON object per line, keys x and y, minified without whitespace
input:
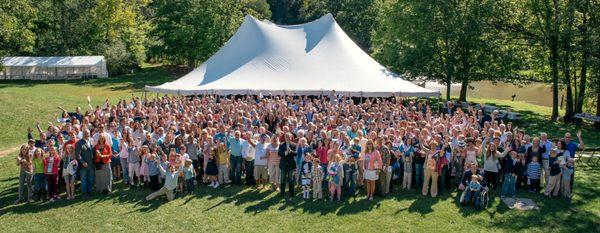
{"x":448,"y":41}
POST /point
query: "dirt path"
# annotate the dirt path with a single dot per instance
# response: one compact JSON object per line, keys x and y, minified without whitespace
{"x":8,"y":151}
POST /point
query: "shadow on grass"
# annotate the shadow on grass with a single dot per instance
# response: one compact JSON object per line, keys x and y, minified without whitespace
{"x":555,"y":214}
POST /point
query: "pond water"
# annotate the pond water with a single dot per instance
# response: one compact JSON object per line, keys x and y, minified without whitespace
{"x":534,"y":93}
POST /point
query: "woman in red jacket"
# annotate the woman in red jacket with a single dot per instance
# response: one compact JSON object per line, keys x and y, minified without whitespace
{"x":103,"y":154}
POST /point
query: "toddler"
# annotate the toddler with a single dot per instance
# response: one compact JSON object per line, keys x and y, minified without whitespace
{"x":567,"y":171}
{"x":190,"y":174}
{"x":534,"y":173}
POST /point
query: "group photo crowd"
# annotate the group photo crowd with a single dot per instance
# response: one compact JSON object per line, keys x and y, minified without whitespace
{"x":326,"y":148}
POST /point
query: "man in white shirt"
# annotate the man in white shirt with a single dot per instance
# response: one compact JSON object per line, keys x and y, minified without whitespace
{"x":97,"y":134}
{"x":260,"y":161}
{"x":248,"y":152}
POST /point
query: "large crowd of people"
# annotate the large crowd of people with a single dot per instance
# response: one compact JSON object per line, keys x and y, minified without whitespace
{"x":326,"y":148}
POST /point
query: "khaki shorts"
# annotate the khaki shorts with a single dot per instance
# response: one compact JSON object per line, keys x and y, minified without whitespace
{"x":274,"y":173}
{"x":261,"y":172}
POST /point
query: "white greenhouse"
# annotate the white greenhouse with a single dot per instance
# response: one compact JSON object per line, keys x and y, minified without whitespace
{"x":50,"y":68}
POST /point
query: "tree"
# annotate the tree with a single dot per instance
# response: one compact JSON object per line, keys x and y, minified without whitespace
{"x":16,"y":27}
{"x":356,"y":17}
{"x":93,"y":27}
{"x":189,"y":31}
{"x":448,"y":41}
{"x":257,"y":8}
{"x":286,"y":11}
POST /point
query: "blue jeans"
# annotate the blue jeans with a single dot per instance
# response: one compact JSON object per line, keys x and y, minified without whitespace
{"x":125,"y":168}
{"x":39,"y":181}
{"x":418,"y":175}
{"x":350,"y":174}
{"x":87,"y":180}
{"x":508,"y":188}
{"x":235,"y":171}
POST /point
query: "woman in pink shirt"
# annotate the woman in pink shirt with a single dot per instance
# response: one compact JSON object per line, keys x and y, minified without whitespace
{"x":51,"y":170}
{"x":372,"y":165}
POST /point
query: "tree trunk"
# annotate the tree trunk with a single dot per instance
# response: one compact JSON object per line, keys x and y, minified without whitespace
{"x":597,"y":124}
{"x":554,"y":62}
{"x":191,"y":63}
{"x":585,"y":45}
{"x":448,"y":85}
{"x":569,"y":110}
{"x":463,"y":88}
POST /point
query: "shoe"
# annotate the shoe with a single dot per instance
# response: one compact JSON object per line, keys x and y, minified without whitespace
{"x":370,"y":198}
{"x":217,"y":185}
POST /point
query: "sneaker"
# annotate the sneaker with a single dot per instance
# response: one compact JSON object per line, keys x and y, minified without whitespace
{"x":216,"y":185}
{"x":370,"y":198}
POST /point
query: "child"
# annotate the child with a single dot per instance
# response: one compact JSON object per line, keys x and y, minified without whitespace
{"x":336,"y":176}
{"x":170,"y":183}
{"x":474,"y":187}
{"x":534,"y":172}
{"x":317,"y":179}
{"x":222,"y":163}
{"x":406,"y":180}
{"x":51,"y":170}
{"x":190,"y":175}
{"x":39,"y":178}
{"x":212,"y":170}
{"x":25,"y":164}
{"x":511,"y":168}
{"x":553,"y":185}
{"x":306,"y":175}
{"x":567,"y":171}
{"x":144,"y":171}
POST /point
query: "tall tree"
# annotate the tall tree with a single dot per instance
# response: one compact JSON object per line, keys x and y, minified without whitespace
{"x":356,"y":17}
{"x":286,"y":11}
{"x":17,"y":34}
{"x":257,"y":8}
{"x":192,"y":30}
{"x":449,"y":41}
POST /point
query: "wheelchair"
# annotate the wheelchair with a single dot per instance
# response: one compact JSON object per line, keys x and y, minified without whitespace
{"x":479,"y":199}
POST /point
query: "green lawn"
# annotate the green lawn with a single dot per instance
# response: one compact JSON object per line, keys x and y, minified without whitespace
{"x":234,"y":208}
{"x":23,"y":103}
{"x":245,"y":210}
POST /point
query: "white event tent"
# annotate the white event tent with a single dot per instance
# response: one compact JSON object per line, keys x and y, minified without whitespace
{"x":46,"y":68}
{"x":308,"y":59}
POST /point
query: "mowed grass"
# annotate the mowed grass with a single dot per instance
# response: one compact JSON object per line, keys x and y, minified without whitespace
{"x":536,"y":120}
{"x":230,"y":209}
{"x":236,"y":209}
{"x":23,"y":103}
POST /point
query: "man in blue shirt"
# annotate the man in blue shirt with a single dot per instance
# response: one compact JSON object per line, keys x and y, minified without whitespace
{"x":235,"y":150}
{"x":572,"y":147}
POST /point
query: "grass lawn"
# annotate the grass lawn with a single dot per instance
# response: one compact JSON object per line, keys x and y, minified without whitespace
{"x":239,"y":209}
{"x":244,"y":209}
{"x":22,"y":103}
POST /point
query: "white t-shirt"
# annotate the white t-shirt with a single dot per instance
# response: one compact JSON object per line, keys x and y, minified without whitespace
{"x":248,"y":151}
{"x":260,"y":152}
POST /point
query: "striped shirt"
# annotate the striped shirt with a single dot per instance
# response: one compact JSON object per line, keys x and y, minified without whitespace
{"x":533,"y":170}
